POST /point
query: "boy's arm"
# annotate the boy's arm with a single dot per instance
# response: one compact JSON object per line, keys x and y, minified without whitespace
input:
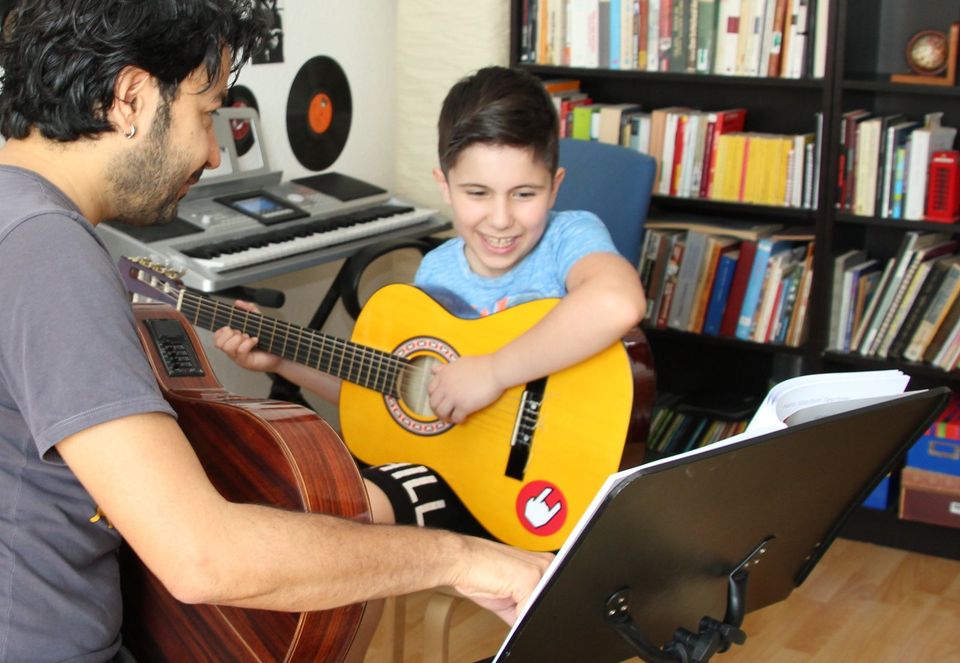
{"x":604,"y":300}
{"x":146,"y":478}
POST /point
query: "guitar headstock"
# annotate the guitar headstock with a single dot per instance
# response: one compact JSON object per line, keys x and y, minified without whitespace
{"x":143,"y":276}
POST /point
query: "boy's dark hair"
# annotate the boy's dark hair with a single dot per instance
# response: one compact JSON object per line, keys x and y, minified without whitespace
{"x":498,"y":106}
{"x":60,"y":58}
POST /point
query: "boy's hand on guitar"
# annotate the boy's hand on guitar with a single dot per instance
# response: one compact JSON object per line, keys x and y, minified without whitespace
{"x":241,"y":348}
{"x":500,"y":578}
{"x":462,"y":387}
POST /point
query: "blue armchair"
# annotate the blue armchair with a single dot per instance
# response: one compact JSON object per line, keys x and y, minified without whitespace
{"x":613,"y":182}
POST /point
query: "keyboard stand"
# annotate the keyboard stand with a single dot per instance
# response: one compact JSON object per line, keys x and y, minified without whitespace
{"x":345,"y":288}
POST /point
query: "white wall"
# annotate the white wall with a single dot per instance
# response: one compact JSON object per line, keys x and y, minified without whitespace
{"x":360,"y":35}
{"x":438,"y":42}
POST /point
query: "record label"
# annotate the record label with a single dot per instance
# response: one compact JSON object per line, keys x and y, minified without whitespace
{"x":319,"y":109}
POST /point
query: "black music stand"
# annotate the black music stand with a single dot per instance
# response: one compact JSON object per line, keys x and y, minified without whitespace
{"x":677,"y":551}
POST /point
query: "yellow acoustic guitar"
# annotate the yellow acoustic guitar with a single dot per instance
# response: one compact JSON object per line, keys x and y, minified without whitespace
{"x":526,"y":466}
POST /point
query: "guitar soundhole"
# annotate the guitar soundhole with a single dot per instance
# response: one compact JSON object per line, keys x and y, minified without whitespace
{"x":412,"y":386}
{"x":412,"y":409}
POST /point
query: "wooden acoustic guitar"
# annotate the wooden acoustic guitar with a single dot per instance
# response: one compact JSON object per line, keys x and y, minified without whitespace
{"x":254,"y":451}
{"x":526,"y":466}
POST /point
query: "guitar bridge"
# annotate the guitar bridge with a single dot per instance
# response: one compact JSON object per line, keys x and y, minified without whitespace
{"x":524,"y":428}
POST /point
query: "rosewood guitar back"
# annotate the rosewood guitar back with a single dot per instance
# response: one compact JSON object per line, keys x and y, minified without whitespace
{"x":255,"y":451}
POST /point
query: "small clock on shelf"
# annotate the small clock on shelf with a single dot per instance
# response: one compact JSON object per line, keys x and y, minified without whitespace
{"x":926,"y":52}
{"x":932,"y":56}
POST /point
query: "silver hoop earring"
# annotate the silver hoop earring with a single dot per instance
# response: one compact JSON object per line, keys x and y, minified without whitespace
{"x":132,"y":132}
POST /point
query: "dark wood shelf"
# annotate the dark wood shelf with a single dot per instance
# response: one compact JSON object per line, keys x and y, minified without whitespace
{"x":882,"y":84}
{"x":674,"y":77}
{"x":900,"y":225}
{"x":653,"y":333}
{"x":796,"y":215}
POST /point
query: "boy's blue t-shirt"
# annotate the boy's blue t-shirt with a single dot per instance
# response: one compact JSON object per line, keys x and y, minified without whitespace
{"x":570,"y":235}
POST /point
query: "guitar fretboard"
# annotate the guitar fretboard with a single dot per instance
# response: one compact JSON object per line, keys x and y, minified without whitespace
{"x":367,"y":367}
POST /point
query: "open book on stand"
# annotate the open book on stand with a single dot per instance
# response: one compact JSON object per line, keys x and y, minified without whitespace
{"x":668,"y":547}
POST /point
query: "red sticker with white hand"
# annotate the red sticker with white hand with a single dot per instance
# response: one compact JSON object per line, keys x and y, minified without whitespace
{"x":541,"y":508}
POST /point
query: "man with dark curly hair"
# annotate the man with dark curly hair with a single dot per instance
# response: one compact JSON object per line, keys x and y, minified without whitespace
{"x":107,"y":109}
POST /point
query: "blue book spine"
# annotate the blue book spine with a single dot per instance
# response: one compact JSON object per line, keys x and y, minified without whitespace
{"x":718,"y":297}
{"x":751,"y":297}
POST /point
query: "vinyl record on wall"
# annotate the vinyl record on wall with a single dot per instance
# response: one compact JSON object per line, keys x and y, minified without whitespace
{"x":319,"y":110}
{"x":239,"y":96}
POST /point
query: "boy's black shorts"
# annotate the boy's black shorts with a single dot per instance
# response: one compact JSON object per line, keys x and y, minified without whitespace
{"x":421,"y":497}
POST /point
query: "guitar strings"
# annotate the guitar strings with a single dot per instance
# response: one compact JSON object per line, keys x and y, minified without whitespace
{"x":380,"y":371}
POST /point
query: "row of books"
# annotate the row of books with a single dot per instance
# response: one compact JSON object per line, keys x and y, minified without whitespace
{"x":747,"y":281}
{"x":683,"y":422}
{"x":768,"y":38}
{"x":885,"y":163}
{"x":905,"y":307}
{"x":703,"y":154}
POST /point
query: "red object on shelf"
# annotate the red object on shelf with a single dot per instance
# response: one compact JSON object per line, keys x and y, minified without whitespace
{"x":943,"y":187}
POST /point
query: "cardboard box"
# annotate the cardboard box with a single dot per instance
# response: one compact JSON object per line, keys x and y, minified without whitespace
{"x":935,"y":454}
{"x":930,"y":497}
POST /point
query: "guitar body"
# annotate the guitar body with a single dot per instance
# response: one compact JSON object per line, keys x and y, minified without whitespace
{"x":576,"y":436}
{"x":255,"y":451}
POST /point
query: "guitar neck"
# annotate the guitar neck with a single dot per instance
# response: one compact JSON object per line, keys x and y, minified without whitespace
{"x":361,"y":365}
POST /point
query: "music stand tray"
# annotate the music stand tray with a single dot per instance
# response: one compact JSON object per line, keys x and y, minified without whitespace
{"x":673,"y":553}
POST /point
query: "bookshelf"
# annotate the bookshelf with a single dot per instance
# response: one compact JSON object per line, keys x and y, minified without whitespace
{"x":863,"y":47}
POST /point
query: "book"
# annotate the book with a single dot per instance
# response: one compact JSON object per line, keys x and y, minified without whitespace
{"x":665,"y":302}
{"x":751,"y":298}
{"x":841,"y":264}
{"x":720,"y":122}
{"x":706,"y":36}
{"x":611,"y":117}
{"x":845,"y":170}
{"x":886,"y":295}
{"x":930,"y":286}
{"x":781,"y":262}
{"x":796,"y":332}
{"x":687,"y":280}
{"x":882,"y":283}
{"x":910,"y":287}
{"x":727,"y":37}
{"x":896,"y":138}
{"x":738,"y":288}
{"x":582,"y":127}
{"x":850,"y":291}
{"x":726,"y":266}
{"x":668,"y":238}
{"x":716,"y":246}
{"x":788,"y":403}
{"x":938,"y":309}
{"x":949,"y":329}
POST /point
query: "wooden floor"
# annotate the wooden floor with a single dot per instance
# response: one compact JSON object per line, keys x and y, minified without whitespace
{"x":862,"y":603}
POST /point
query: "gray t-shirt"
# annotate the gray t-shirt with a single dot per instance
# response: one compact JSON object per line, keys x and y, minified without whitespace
{"x":69,"y":359}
